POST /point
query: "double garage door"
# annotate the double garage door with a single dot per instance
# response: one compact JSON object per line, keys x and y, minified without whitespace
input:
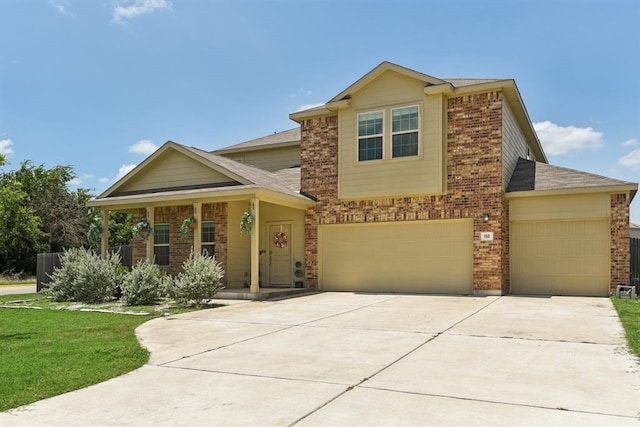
{"x":415,"y":256}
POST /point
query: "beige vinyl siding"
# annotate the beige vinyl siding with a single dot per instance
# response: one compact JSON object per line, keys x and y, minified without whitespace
{"x":173,"y":169}
{"x":514,"y":144}
{"x":272,"y":159}
{"x":411,"y":256}
{"x":577,"y":206}
{"x":239,"y":245}
{"x":422,"y":174}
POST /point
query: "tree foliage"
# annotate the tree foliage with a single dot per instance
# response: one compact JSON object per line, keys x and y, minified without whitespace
{"x":63,"y":213}
{"x":20,"y":235}
{"x":120,"y":225}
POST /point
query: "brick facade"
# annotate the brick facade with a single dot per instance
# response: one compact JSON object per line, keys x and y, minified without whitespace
{"x":620,"y":243}
{"x":474,"y":187}
{"x":180,"y":247}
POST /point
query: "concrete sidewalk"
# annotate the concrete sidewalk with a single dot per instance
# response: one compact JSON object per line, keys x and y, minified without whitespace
{"x":17,"y":289}
{"x":370,"y":359}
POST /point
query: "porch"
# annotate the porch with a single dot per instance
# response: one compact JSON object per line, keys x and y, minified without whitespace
{"x":263,"y":293}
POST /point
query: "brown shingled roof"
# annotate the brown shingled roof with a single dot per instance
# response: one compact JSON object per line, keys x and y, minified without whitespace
{"x":461,"y":82}
{"x":530,"y":175}
{"x":254,"y":175}
{"x":291,"y":136}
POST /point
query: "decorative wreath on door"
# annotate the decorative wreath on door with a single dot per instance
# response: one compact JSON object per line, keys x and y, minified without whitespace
{"x":280,"y":239}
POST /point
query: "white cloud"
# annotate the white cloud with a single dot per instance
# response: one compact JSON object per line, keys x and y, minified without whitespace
{"x":558,"y":140}
{"x":630,"y":142}
{"x":631,"y":160}
{"x":75,"y":181}
{"x":124,"y":169}
{"x":144,"y":146}
{"x":62,"y":6}
{"x":87,"y":175}
{"x":130,"y":9}
{"x":5,"y":147}
{"x":103,"y":180}
{"x":308,"y":106}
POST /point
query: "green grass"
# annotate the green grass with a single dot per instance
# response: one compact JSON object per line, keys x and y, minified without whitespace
{"x":44,"y":353}
{"x":49,"y":348}
{"x":629,"y":314}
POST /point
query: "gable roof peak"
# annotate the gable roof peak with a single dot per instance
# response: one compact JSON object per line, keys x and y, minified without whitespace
{"x":377,"y":71}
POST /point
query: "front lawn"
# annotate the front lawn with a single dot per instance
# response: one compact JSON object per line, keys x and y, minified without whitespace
{"x":44,"y":353}
{"x":49,"y":348}
{"x":629,"y":313}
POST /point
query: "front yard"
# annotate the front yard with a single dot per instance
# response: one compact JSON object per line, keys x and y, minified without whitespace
{"x":49,"y":348}
{"x":629,"y":313}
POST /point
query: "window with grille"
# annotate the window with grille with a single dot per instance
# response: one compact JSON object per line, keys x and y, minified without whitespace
{"x":161,"y":244}
{"x":208,"y":238}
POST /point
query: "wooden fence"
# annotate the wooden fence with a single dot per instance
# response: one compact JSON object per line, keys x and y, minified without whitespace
{"x":47,"y":262}
{"x":635,"y":262}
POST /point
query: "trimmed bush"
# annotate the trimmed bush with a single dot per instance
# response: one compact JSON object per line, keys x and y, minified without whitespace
{"x":85,"y":277}
{"x":198,"y":282}
{"x":143,"y":285}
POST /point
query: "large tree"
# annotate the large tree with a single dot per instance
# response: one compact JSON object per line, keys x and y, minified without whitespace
{"x":20,"y":236}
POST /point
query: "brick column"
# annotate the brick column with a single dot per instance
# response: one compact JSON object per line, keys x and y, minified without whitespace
{"x":620,"y":243}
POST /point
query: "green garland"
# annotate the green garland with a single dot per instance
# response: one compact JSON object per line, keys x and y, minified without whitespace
{"x":142,"y":226}
{"x":246,"y":223}
{"x":184,"y":228}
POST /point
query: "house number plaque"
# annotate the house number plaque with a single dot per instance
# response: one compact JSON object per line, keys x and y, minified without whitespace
{"x":486,"y":236}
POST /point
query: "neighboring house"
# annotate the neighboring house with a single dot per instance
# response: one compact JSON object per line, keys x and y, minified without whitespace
{"x":402,"y":182}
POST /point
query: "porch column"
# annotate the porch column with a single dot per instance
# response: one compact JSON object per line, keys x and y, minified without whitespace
{"x":197,"y":232}
{"x":255,"y":246}
{"x":152,"y":223}
{"x":104,"y":242}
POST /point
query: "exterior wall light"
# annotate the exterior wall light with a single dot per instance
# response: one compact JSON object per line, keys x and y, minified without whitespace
{"x":486,"y":217}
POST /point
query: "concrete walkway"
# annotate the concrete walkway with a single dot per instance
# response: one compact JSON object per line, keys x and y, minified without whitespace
{"x":17,"y":289}
{"x":335,"y":359}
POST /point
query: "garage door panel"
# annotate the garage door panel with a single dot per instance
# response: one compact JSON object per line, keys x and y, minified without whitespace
{"x":560,"y":257}
{"x":420,"y":256}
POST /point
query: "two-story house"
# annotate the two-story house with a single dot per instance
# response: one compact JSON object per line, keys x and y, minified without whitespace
{"x":402,"y":182}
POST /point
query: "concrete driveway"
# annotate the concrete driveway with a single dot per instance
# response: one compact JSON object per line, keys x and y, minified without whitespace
{"x":370,"y":359}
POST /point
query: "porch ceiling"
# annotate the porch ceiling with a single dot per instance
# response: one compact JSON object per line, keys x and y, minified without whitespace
{"x":203,"y":195}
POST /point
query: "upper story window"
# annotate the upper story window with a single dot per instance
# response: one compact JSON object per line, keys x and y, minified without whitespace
{"x":161,"y":243}
{"x":208,"y":238}
{"x":370,"y":127}
{"x":401,"y":139}
{"x":404,"y":132}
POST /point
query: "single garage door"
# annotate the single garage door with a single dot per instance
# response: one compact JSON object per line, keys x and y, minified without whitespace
{"x":416,"y":256}
{"x":560,"y":257}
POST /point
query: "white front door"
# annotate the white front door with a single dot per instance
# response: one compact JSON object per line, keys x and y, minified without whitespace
{"x":279,"y":255}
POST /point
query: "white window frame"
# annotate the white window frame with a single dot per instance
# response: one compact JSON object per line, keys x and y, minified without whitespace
{"x":417,"y":130}
{"x":208,"y":243}
{"x":158,"y":245}
{"x":387,"y":135}
{"x":380,"y":135}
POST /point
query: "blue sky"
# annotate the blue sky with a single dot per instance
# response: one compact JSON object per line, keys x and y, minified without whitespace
{"x":98,"y":84}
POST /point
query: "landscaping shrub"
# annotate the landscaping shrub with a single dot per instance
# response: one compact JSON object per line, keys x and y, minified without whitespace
{"x":199,"y":281}
{"x":143,"y":285}
{"x":85,"y":277}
